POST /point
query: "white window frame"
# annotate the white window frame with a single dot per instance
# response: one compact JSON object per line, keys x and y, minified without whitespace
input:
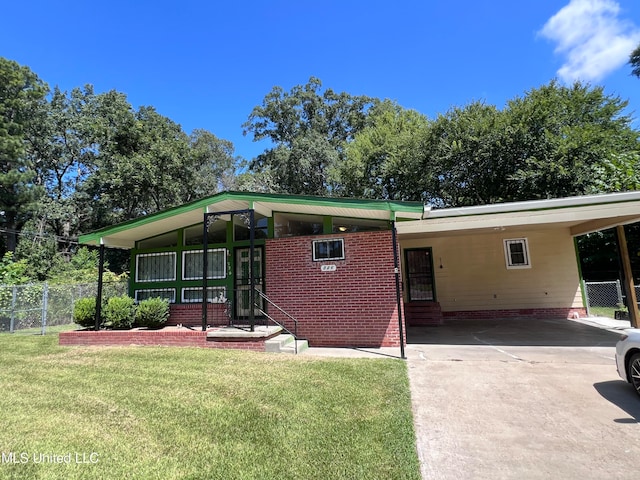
{"x":160,"y":254}
{"x":525,"y":249}
{"x":160,"y":290}
{"x":210,"y":250}
{"x":315,"y":242}
{"x":216,"y":299}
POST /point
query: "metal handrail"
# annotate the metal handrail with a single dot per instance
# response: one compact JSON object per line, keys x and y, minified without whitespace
{"x":295,"y":321}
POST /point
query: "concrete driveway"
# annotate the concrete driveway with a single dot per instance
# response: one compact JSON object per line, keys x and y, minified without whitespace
{"x":521,"y":399}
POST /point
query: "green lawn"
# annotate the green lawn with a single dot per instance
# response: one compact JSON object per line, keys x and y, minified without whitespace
{"x":163,"y":413}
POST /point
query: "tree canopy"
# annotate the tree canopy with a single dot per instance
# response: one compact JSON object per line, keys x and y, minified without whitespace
{"x":74,"y":161}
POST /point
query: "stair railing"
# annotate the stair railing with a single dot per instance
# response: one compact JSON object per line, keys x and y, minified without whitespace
{"x":277,"y":307}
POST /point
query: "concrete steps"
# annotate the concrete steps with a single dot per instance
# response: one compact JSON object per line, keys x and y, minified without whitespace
{"x":423,"y":313}
{"x":285,"y":343}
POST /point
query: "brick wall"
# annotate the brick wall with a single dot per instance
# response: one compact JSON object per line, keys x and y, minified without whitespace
{"x":518,"y":313}
{"x":355,"y":305}
{"x":167,"y":338}
{"x":191,"y":314}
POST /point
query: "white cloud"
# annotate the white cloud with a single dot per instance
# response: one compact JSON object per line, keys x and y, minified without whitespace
{"x":592,"y":38}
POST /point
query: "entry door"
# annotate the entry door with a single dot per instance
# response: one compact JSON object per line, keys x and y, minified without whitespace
{"x":419,"y":274}
{"x":242,"y":281}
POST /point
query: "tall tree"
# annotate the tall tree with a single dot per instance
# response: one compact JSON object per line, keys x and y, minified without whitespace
{"x":21,"y":96}
{"x":571,"y":140}
{"x":383,"y":159}
{"x":309,"y":129}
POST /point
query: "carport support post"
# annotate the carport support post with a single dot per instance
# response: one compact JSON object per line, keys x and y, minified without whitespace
{"x":99,"y":293}
{"x":632,"y":301}
{"x":396,"y":269}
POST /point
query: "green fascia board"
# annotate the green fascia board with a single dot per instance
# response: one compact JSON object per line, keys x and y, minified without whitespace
{"x":393,"y":206}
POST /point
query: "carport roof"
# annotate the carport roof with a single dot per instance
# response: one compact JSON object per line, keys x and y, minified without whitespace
{"x":581,"y":215}
{"x":125,"y":235}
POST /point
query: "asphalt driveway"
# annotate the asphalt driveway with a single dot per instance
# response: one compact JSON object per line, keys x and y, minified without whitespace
{"x":518,"y":399}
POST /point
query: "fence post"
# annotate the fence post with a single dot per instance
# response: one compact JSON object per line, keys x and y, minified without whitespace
{"x":12,"y":325}
{"x":585,"y":288}
{"x":45,"y":301}
{"x":619,"y":290}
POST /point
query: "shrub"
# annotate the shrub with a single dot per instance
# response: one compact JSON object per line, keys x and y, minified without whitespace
{"x":152,"y":313}
{"x":119,"y":312}
{"x":84,"y":312}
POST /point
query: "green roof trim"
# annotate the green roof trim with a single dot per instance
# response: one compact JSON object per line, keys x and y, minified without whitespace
{"x":391,"y":206}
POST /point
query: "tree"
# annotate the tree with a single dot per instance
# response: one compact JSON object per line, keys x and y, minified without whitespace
{"x":211,"y":166}
{"x":62,"y":147}
{"x":571,"y":140}
{"x":21,"y":96}
{"x":383,"y":158}
{"x":309,"y":130}
{"x":634,"y":61}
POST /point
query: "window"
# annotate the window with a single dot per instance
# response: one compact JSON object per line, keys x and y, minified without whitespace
{"x":161,"y":241}
{"x":156,"y":267}
{"x":350,"y":225}
{"x":241,"y":229}
{"x":214,"y":295}
{"x":192,"y":264}
{"x":328,"y":250}
{"x":217,"y":233}
{"x":517,"y":253}
{"x":293,"y":225}
{"x":166,"y":293}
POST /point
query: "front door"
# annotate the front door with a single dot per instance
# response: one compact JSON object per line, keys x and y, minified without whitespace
{"x":242,"y":281}
{"x":419,"y":276}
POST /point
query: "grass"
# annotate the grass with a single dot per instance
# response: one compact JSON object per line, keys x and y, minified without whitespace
{"x":147,"y":412}
{"x":605,"y":311}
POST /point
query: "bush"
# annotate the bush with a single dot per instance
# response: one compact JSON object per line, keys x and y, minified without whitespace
{"x":84,"y":312}
{"x":152,"y":313}
{"x":119,"y":312}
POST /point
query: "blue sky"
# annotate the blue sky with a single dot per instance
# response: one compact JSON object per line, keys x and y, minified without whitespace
{"x":206,"y":64}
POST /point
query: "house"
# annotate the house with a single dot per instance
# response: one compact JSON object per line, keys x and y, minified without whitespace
{"x":354,"y":272}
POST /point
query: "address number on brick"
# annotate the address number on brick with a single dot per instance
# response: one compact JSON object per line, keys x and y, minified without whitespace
{"x":328,"y":268}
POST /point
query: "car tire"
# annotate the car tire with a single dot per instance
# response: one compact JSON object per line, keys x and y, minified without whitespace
{"x":633,"y":370}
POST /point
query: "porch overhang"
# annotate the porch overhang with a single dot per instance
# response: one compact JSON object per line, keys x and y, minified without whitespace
{"x":125,"y":235}
{"x":581,"y":215}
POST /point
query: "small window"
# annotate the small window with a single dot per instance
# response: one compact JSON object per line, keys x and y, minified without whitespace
{"x":517,"y":253}
{"x":328,"y":250}
{"x":166,"y":293}
{"x":214,"y":295}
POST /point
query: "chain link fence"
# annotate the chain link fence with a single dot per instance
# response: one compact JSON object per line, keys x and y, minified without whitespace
{"x":39,"y":305}
{"x":606,"y":298}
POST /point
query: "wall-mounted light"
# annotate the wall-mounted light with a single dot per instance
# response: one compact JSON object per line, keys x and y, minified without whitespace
{"x":342,"y":228}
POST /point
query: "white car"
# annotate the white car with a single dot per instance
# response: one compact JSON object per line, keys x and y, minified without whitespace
{"x":628,"y":357}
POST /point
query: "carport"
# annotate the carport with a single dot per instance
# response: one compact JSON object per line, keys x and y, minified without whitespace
{"x":506,"y":262}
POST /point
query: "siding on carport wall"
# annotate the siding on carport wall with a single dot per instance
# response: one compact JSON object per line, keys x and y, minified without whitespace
{"x":355,"y":305}
{"x":474,"y":276}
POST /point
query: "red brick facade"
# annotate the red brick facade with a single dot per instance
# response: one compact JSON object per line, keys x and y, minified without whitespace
{"x":191,"y":314}
{"x":517,"y":313}
{"x":354,"y":305}
{"x":168,"y":338}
